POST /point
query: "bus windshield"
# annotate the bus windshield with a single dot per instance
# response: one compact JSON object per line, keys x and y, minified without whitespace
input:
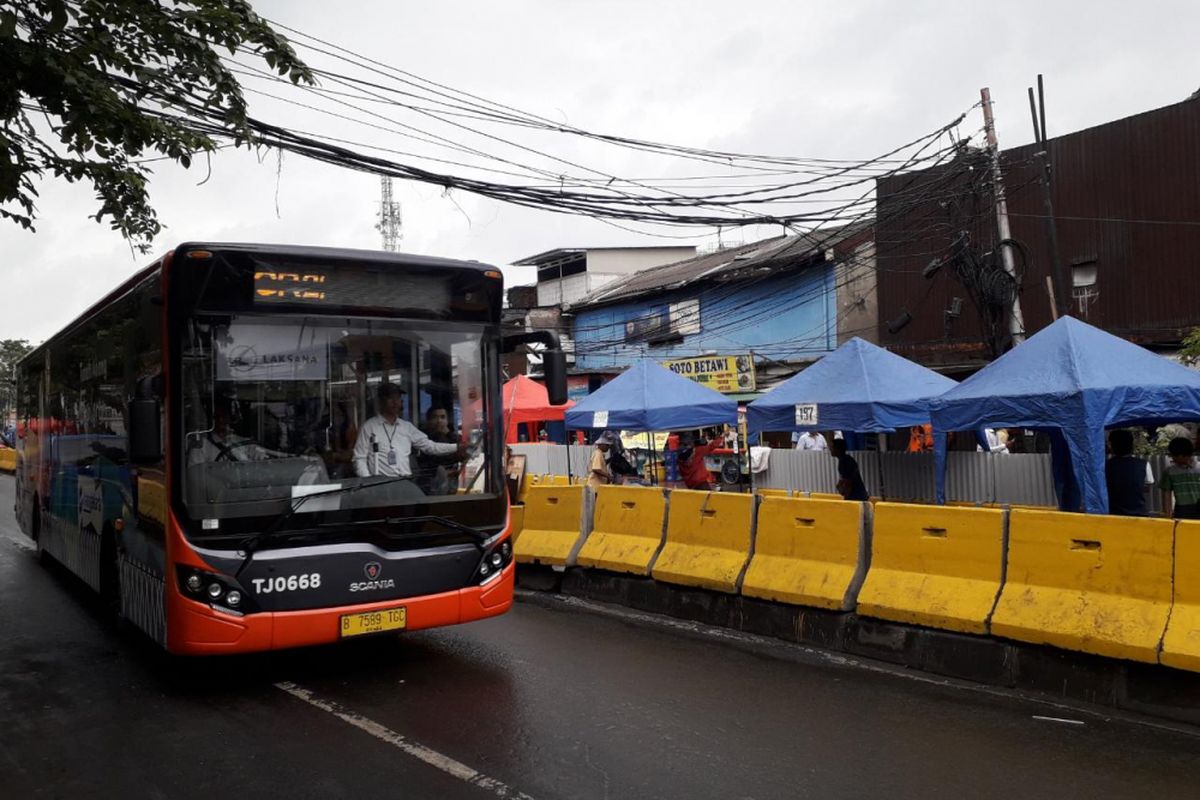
{"x":277,"y":407}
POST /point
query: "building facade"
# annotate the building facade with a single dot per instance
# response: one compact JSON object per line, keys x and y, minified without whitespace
{"x":1126,"y":202}
{"x":777,"y":304}
{"x":566,"y":275}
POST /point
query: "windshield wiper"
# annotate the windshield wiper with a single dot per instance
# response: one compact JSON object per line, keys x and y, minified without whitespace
{"x":477,"y":535}
{"x":251,"y":544}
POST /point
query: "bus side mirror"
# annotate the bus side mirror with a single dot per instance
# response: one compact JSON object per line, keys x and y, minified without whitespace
{"x":554,"y":371}
{"x":145,"y":431}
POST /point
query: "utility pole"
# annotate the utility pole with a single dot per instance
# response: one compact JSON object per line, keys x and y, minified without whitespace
{"x":1016,"y":320}
{"x":1060,"y":296}
{"x":389,"y":216}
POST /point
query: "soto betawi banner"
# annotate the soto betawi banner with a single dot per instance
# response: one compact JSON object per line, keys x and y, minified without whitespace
{"x":725,"y":374}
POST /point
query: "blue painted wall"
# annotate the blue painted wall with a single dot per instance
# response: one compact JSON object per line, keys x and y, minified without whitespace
{"x":785,"y":318}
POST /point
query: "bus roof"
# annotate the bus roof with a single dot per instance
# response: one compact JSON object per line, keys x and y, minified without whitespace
{"x":344,"y":253}
{"x":381,"y":257}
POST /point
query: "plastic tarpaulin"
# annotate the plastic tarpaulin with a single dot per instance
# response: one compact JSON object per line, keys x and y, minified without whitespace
{"x":526,"y":400}
{"x":650,"y":397}
{"x":1079,"y":380}
{"x":858,"y":387}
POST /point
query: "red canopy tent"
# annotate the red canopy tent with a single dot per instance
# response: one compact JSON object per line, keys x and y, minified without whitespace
{"x":526,"y":401}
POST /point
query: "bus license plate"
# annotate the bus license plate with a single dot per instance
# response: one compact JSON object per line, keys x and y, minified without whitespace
{"x":385,"y":619}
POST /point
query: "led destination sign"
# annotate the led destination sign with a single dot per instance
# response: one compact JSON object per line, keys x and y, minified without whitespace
{"x":285,"y":286}
{"x":278,"y":284}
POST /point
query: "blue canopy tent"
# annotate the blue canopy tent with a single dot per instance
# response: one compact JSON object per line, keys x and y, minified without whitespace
{"x":858,"y":387}
{"x":1074,"y":380}
{"x":650,"y":397}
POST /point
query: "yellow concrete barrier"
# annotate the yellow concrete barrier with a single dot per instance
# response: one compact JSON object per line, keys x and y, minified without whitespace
{"x":825,"y":496}
{"x":527,"y":480}
{"x":934,"y":566}
{"x":708,"y":540}
{"x":516,"y":521}
{"x":1181,"y":645}
{"x":774,"y":492}
{"x":8,"y":459}
{"x":554,"y":525}
{"x":558,"y":480}
{"x":808,"y":552}
{"x":1087,"y":582}
{"x":627,"y":529}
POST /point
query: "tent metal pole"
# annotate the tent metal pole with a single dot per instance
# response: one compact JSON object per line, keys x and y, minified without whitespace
{"x":879,"y":464}
{"x":653,"y":460}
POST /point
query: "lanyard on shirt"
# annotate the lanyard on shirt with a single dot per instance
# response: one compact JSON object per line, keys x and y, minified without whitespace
{"x":391,"y":435}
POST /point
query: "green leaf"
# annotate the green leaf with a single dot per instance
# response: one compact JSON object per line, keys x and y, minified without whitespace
{"x":172,"y":54}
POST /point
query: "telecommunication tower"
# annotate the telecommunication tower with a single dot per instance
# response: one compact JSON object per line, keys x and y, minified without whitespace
{"x":389,"y":216}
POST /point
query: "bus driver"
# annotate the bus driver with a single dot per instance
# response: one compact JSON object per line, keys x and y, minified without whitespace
{"x":385,"y":441}
{"x":222,"y":444}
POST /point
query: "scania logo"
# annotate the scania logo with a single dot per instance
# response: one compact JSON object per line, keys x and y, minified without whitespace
{"x":373,"y":569}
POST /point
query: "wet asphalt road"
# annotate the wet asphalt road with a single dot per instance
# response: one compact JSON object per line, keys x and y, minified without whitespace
{"x":550,"y":701}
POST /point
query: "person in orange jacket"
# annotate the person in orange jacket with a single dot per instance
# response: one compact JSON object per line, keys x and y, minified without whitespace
{"x":920,"y":438}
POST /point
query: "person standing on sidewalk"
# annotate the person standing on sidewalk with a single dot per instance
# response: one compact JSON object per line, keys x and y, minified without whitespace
{"x":850,"y":483}
{"x":598,"y":472}
{"x":1127,"y":477}
{"x":1180,"y":481}
{"x":810,"y":440}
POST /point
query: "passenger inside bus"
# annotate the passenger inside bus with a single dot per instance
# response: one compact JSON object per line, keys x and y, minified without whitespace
{"x":437,"y":474}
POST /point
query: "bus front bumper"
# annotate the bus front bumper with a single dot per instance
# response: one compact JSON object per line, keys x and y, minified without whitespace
{"x":194,"y":628}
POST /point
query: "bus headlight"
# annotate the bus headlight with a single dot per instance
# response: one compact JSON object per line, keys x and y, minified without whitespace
{"x":218,"y":591}
{"x":494,"y":562}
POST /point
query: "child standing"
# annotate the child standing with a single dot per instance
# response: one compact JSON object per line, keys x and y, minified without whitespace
{"x":1181,"y":478}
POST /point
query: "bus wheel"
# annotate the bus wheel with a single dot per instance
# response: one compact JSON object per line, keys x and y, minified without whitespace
{"x":110,"y":575}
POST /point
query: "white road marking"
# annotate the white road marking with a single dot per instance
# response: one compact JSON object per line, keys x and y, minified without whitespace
{"x":1060,"y":719}
{"x":431,"y":757}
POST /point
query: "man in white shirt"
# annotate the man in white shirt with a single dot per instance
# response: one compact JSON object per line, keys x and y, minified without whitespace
{"x":385,"y":441}
{"x":810,"y":440}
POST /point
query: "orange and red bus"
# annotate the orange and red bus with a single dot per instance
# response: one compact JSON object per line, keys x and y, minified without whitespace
{"x":186,"y":446}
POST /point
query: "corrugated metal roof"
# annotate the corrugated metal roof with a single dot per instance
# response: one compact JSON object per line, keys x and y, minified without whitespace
{"x":749,"y":260}
{"x":558,"y":253}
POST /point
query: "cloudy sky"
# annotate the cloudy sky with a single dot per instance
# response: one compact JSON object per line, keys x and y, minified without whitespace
{"x":839,"y":80}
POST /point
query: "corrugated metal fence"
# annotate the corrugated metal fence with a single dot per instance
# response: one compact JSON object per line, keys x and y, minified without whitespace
{"x":970,"y":477}
{"x":1016,"y":479}
{"x":551,"y":459}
